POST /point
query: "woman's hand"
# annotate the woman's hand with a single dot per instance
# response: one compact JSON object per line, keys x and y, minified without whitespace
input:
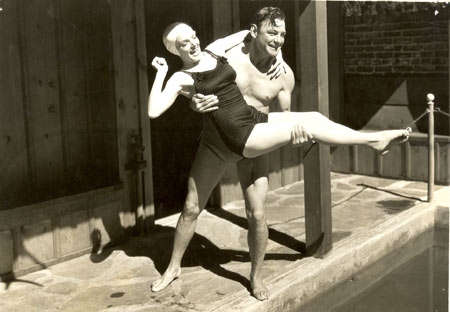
{"x":160,"y":64}
{"x":277,"y":68}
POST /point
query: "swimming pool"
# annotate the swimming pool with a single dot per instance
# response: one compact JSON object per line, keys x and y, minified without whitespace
{"x":416,"y":283}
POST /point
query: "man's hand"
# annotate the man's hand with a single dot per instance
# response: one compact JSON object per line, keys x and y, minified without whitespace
{"x":299,"y":135}
{"x":204,"y":103}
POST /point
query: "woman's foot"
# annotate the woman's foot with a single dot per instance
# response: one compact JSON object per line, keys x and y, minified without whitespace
{"x":259,"y":290}
{"x":388,"y":138}
{"x":164,"y":281}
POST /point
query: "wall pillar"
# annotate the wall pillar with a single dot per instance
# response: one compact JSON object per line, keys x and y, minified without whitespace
{"x":133,"y":125}
{"x":313,"y":62}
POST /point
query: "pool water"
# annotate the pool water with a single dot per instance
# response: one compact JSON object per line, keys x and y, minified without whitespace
{"x":419,"y":284}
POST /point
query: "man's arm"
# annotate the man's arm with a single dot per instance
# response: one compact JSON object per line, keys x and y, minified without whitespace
{"x":201,"y":103}
{"x":299,"y":135}
{"x":284,"y":96}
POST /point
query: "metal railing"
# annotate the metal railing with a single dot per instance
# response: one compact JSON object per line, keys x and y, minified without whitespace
{"x":431,"y":142}
{"x":431,"y":153}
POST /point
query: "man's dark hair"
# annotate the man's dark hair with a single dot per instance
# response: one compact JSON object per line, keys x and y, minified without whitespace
{"x":268,"y":13}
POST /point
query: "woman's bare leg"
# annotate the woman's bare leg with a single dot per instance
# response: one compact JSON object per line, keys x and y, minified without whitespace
{"x":206,"y":171}
{"x":266,"y":137}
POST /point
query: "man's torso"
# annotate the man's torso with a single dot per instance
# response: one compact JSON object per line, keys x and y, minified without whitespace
{"x":257,"y":87}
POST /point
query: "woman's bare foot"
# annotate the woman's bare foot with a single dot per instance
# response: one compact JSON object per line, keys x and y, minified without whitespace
{"x":388,"y":138}
{"x":259,"y":290}
{"x":164,"y":281}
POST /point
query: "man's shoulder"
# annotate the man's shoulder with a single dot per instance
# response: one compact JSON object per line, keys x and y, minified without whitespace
{"x":288,"y":70}
{"x":287,"y":78}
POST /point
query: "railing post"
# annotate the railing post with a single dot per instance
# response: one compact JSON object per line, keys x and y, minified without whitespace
{"x":430,"y":102}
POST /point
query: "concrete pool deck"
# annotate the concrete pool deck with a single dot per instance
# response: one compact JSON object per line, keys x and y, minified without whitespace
{"x":372,"y":218}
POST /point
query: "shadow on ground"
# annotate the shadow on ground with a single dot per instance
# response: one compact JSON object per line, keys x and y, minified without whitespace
{"x":201,"y":251}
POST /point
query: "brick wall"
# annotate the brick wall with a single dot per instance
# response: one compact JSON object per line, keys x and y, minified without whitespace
{"x":396,"y":38}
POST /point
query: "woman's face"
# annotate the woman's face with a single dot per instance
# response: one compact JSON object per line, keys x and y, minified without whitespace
{"x":188,"y":46}
{"x":270,"y":37}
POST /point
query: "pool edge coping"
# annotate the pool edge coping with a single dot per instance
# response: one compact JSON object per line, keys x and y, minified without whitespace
{"x":302,"y":283}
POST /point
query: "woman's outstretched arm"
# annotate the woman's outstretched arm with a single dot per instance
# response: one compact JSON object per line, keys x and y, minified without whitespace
{"x":220,"y":46}
{"x":160,"y":100}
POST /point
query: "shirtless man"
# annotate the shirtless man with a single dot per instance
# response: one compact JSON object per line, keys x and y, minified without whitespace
{"x":252,"y":61}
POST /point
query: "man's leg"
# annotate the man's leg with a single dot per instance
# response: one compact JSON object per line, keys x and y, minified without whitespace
{"x":206,"y":171}
{"x":253,"y":176}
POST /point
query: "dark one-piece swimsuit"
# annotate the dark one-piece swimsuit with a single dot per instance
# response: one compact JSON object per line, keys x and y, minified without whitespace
{"x":234,"y":119}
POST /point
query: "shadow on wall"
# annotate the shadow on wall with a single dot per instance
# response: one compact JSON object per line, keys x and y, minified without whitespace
{"x":36,"y":236}
{"x":12,"y":278}
{"x":380,"y":103}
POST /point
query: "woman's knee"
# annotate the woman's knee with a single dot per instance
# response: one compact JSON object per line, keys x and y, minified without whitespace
{"x":314,"y":121}
{"x":316,"y":116}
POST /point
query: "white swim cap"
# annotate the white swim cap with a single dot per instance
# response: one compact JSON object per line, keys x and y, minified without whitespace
{"x":170,"y":35}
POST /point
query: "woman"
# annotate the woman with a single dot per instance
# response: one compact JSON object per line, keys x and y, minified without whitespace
{"x":244,"y":130}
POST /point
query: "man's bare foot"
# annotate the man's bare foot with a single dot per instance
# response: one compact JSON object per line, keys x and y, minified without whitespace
{"x":164,"y":281}
{"x":388,"y":138}
{"x":259,"y":290}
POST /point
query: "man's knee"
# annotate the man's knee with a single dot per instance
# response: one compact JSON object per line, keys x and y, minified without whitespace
{"x":256,"y":216}
{"x":191,"y":210}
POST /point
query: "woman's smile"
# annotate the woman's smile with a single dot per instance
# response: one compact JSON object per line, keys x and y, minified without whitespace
{"x":195,"y":51}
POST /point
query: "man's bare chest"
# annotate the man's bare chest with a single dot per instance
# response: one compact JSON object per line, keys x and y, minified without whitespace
{"x":256,"y":87}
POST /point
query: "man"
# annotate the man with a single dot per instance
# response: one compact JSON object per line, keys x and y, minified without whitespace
{"x":253,"y":62}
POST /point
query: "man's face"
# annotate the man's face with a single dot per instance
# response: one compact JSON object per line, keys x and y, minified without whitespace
{"x":270,"y":37}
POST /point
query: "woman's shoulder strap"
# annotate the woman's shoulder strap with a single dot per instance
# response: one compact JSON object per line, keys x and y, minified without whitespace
{"x":186,"y":72}
{"x":213,"y":54}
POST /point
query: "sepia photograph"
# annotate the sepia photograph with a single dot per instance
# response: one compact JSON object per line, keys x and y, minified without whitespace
{"x":224,"y":155}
